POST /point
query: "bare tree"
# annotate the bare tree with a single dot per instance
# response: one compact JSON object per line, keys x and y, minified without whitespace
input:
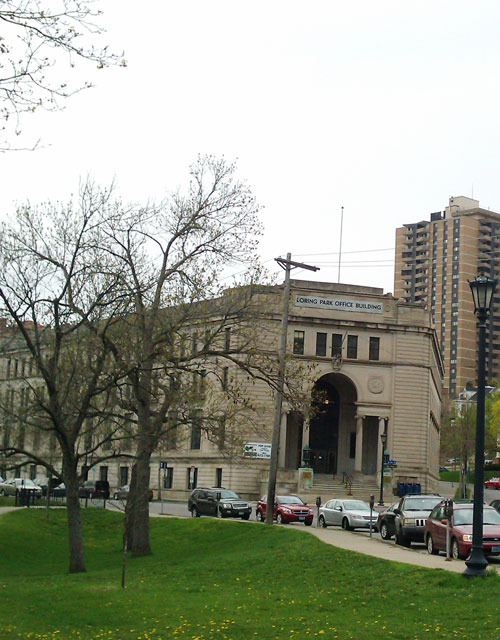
{"x":181,"y":328}
{"x":40,"y":46}
{"x":67,"y":389}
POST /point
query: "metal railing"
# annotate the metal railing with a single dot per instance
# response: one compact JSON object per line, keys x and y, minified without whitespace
{"x":347,"y":480}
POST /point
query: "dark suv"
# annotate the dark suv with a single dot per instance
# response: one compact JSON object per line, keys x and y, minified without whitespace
{"x":94,"y":489}
{"x":218,"y":502}
{"x":411,"y":514}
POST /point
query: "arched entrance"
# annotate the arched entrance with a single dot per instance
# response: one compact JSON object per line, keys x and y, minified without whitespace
{"x":332,"y":428}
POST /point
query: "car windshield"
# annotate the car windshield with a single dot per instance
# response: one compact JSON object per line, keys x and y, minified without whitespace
{"x":226,"y":495}
{"x":25,"y":483}
{"x":464,"y":516}
{"x":422,"y":504}
{"x":289,"y":500}
{"x":356,"y":505}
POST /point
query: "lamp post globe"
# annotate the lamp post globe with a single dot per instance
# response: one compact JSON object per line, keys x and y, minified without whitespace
{"x":482,"y":289}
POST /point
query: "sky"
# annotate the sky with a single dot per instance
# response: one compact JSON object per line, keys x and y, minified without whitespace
{"x":386,"y":109}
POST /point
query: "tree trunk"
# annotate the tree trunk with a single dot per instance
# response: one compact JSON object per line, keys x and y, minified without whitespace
{"x":137,"y":509}
{"x":76,"y":563}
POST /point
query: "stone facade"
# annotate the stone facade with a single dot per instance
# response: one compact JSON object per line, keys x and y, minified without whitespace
{"x":371,"y":364}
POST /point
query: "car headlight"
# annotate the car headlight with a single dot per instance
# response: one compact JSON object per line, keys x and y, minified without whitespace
{"x":467,"y":537}
{"x":285,"y":510}
{"x":225,"y":505}
{"x":407,"y":521}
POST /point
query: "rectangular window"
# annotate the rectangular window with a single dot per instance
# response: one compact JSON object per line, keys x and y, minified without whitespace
{"x":218,"y":477}
{"x":123,"y":476}
{"x":221,"y":436}
{"x":374,"y":349}
{"x":192,"y":477}
{"x":32,"y":471}
{"x":103,"y":473}
{"x":196,"y":431}
{"x":168,"y":478}
{"x":321,"y":344}
{"x":352,"y":346}
{"x":37,"y":437}
{"x":336,"y":344}
{"x":225,"y":375}
{"x":298,"y":342}
{"x":171,"y":437}
{"x":227,"y":341}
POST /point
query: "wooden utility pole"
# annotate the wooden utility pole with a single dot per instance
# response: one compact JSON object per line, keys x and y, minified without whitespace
{"x":287,"y":265}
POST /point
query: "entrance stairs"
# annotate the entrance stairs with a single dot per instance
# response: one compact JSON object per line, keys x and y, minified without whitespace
{"x":327,"y":486}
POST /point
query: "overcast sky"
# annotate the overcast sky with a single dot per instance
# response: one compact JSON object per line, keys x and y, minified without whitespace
{"x":385,"y":108}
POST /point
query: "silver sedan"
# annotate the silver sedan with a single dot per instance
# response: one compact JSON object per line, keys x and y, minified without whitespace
{"x":349,"y":514}
{"x":12,"y":486}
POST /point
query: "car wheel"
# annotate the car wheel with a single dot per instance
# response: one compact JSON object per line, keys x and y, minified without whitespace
{"x":345,"y":524}
{"x":246,"y":516}
{"x":384,"y":531}
{"x":430,"y":546}
{"x":2,"y":492}
{"x":195,"y":513}
{"x":402,"y":540}
{"x":322,"y":522}
{"x":115,"y":496}
{"x":308,"y":523}
{"x":220,"y":513}
{"x":279,"y":518}
{"x":455,"y":551}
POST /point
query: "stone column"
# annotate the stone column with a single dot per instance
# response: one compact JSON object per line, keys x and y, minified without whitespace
{"x":305,"y":433}
{"x":358,"y":457}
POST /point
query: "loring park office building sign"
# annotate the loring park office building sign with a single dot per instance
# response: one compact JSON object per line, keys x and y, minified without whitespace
{"x":340,"y":304}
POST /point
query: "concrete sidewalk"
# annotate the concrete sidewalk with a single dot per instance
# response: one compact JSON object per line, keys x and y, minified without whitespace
{"x":386,"y":550}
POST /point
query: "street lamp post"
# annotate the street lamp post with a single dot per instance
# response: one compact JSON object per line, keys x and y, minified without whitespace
{"x":383,"y":438}
{"x":482,"y":293}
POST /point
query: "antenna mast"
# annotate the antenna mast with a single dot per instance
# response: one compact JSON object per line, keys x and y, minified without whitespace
{"x":340,"y":249}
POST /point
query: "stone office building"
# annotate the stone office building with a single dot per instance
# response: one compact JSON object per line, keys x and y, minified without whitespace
{"x":376,"y":364}
{"x":373,"y":367}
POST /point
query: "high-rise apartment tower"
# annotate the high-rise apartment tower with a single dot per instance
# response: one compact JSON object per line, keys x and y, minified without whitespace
{"x":435,"y":259}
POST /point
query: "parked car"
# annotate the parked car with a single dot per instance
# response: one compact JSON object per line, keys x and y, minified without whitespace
{"x":349,"y":514}
{"x":492,"y":483}
{"x":218,"y":502}
{"x":122,"y":493}
{"x":14,"y":485}
{"x":443,"y":469}
{"x":495,"y":504}
{"x":461,"y":530}
{"x":411,"y":513}
{"x":287,"y":509}
{"x":43,"y":483}
{"x":94,"y":489}
{"x":385,"y":522}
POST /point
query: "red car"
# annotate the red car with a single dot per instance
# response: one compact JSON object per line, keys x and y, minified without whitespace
{"x":492,"y":483}
{"x":461,"y":530}
{"x":286,"y":509}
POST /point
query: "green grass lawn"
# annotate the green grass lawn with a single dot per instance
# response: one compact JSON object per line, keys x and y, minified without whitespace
{"x":454,"y":476}
{"x":209,"y":579}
